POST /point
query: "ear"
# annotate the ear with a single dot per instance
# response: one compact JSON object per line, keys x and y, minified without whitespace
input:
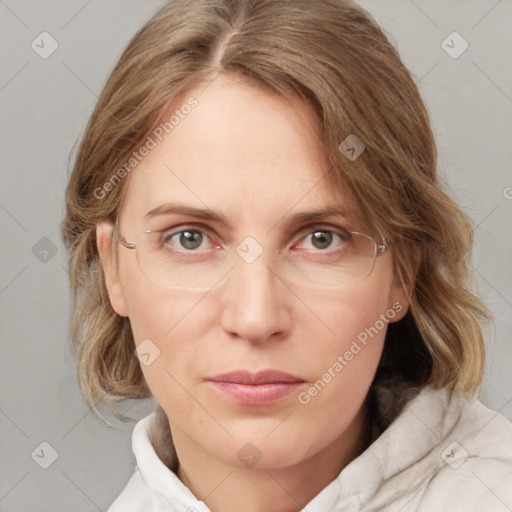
{"x":401,"y":290}
{"x":104,"y":231}
{"x":398,"y":301}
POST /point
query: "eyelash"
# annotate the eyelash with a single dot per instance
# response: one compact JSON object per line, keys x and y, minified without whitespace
{"x":342,"y":233}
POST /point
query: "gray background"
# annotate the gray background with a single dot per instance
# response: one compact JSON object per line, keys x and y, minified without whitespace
{"x":45,"y":104}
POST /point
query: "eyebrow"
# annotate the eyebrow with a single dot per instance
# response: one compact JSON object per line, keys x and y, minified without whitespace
{"x":210,"y":215}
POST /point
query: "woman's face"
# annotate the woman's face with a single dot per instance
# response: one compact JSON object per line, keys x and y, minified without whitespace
{"x":247,"y":155}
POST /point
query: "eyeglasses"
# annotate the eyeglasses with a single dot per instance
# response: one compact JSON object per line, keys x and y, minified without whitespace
{"x":175,"y":258}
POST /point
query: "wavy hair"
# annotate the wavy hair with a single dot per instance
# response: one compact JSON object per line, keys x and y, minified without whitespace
{"x":332,"y":55}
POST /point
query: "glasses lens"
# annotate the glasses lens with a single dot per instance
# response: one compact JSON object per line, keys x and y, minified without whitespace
{"x":189,"y":267}
{"x":348,"y":265}
{"x":192,"y":267}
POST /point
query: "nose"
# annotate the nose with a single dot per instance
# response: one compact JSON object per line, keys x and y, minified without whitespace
{"x":256,"y":304}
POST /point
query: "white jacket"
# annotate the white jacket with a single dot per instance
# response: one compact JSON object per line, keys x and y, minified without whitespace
{"x":436,"y":456}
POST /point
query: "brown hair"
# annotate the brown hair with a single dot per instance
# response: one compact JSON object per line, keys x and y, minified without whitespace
{"x":332,"y":55}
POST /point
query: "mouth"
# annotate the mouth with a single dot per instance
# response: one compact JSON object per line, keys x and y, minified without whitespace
{"x":256,"y":389}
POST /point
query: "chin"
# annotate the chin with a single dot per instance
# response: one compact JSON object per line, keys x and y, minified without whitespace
{"x":267,"y":452}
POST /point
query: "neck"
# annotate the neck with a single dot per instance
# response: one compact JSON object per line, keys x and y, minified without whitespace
{"x":228,"y":488}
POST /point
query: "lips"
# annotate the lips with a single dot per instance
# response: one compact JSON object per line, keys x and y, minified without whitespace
{"x":262,"y":377}
{"x":266,"y":387}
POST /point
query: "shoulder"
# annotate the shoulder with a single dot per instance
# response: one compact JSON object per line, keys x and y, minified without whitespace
{"x":134,"y":497}
{"x":475,"y":460}
{"x":441,"y":452}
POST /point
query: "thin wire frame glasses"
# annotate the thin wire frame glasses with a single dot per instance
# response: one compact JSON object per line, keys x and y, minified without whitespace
{"x":164,"y":264}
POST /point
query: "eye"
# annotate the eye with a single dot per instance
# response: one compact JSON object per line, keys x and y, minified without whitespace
{"x":187,"y":240}
{"x":322,"y":239}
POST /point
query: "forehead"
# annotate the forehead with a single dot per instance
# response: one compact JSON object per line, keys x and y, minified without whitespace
{"x":240,"y":150}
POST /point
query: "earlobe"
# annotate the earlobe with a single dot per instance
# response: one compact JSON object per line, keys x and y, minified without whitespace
{"x":104,"y":231}
{"x":402,"y":287}
{"x":399,"y":303}
{"x":399,"y":298}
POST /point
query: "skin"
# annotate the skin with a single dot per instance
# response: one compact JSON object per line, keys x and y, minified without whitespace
{"x":254,"y":157}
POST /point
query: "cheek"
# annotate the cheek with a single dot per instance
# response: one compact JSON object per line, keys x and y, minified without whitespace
{"x":348,"y":352}
{"x":343,"y":367}
{"x":340,"y":318}
{"x":161,"y":314}
{"x":169,"y":326}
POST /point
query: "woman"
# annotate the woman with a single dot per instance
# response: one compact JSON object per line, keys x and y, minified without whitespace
{"x":258,"y":239}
